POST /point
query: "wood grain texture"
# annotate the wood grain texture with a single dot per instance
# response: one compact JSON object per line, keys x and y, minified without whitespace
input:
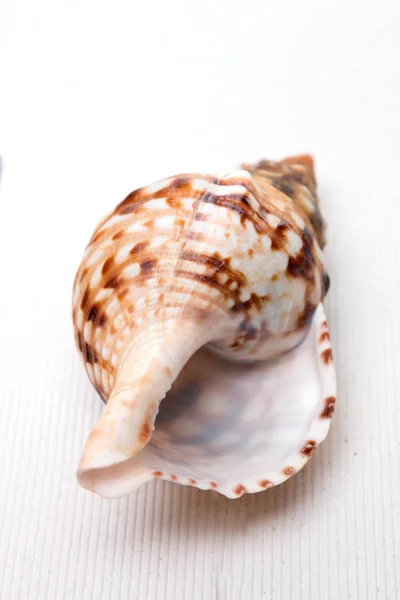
{"x":92,"y":105}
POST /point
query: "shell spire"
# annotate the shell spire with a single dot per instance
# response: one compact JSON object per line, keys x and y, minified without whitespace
{"x":231,"y":263}
{"x":295,"y":177}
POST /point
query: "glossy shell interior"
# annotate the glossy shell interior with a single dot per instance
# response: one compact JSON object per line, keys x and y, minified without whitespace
{"x":234,"y":427}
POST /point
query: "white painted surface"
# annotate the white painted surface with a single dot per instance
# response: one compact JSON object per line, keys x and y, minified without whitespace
{"x":98,"y":98}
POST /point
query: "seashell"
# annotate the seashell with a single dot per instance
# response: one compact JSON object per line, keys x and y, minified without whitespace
{"x":206,"y":293}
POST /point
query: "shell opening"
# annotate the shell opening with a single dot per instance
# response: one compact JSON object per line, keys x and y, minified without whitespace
{"x":223,"y":425}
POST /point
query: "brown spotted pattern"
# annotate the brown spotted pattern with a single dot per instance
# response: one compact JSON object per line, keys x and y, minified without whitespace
{"x":309,"y":448}
{"x":265,"y":483}
{"x":239,"y":490}
{"x":198,"y":247}
{"x":329,"y":408}
{"x":327,"y":356}
{"x":324,"y":337}
{"x":145,"y":433}
{"x":288,"y":471}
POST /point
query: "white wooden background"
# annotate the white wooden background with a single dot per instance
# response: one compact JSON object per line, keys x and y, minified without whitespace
{"x":100,"y":97}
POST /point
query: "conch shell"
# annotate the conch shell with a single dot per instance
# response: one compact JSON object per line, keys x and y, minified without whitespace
{"x":231,"y":267}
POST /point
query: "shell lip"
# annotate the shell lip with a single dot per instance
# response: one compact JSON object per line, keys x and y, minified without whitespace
{"x":114,"y":475}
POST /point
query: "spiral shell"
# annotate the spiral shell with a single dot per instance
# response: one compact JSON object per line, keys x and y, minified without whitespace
{"x":232,"y":263}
